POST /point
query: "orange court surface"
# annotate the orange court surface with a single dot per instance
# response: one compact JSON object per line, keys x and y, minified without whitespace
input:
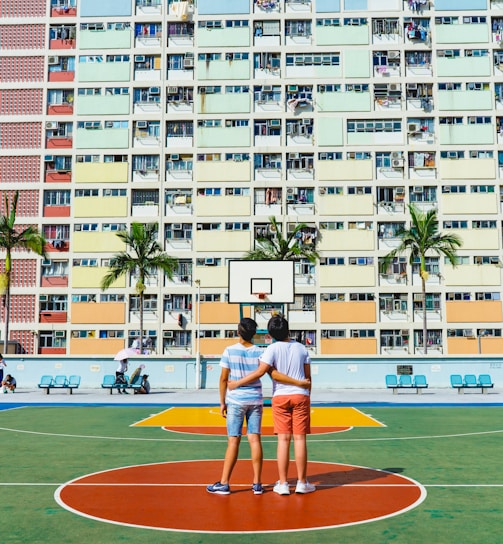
{"x":207,"y":420}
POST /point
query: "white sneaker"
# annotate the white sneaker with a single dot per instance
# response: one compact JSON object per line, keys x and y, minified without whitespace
{"x":304,"y":487}
{"x":281,"y":489}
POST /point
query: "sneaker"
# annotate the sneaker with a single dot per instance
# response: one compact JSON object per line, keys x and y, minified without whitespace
{"x":304,"y":487}
{"x":257,"y":489}
{"x":281,"y":489}
{"x":219,"y":489}
{"x":125,"y":392}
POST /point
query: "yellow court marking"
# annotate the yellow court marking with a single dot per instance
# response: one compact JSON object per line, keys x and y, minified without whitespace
{"x":210,"y":417}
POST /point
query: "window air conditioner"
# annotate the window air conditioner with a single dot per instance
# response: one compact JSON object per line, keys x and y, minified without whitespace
{"x":154,"y":90}
{"x":293,"y":155}
{"x":167,"y":334}
{"x":396,"y":155}
{"x":51,"y":125}
{"x":188,"y":63}
{"x":393,"y":54}
{"x":52,"y":60}
{"x":411,"y":86}
{"x":172,"y":90}
{"x":412,"y":127}
{"x":322,"y":190}
{"x":175,"y":157}
{"x":404,"y":332}
{"x":141,"y":124}
{"x":266,"y":88}
{"x":177,"y":226}
{"x":397,"y":163}
{"x":417,"y":189}
{"x":394,"y":87}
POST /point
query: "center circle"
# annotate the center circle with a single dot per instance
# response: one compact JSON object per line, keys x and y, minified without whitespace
{"x":172,"y":496}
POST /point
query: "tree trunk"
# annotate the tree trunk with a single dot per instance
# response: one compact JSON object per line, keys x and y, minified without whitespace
{"x":425,"y":323}
{"x":141,"y":322}
{"x":6,"y":300}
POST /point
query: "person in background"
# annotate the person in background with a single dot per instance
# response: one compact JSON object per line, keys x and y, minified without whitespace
{"x":9,"y":384}
{"x":119,"y":376}
{"x":3,"y":365}
{"x":145,"y":385}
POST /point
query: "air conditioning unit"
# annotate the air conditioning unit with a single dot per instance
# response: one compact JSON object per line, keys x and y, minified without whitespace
{"x":175,"y":157}
{"x":53,"y":60}
{"x":49,"y":158}
{"x":292,"y":88}
{"x":51,"y":125}
{"x":274,"y":122}
{"x":189,"y":55}
{"x":172,"y":90}
{"x":322,"y":190}
{"x":109,"y":124}
{"x":400,"y":191}
{"x":393,"y":54}
{"x":266,"y":88}
{"x":411,"y":86}
{"x":417,"y":189}
{"x":46,"y":263}
{"x":75,"y":334}
{"x":404,"y":332}
{"x":397,"y":163}
{"x":412,"y":127}
{"x":167,"y":334}
{"x":59,"y":334}
{"x":452,"y":155}
{"x":154,"y":90}
{"x":293,"y":155}
{"x":290,"y":191}
{"x":188,"y":63}
{"x":322,"y":88}
{"x":396,"y":155}
{"x":141,"y":124}
{"x":177,"y":226}
{"x":394,"y":87}
{"x":139,"y":58}
{"x":210,"y":261}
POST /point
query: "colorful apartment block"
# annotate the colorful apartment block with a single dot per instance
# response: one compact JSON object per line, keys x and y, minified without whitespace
{"x":207,"y":117}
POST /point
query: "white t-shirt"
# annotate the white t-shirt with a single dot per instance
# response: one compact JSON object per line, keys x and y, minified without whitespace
{"x":288,"y":358}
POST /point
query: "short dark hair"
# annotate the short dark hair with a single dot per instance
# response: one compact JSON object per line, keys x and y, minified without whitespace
{"x":278,"y":327}
{"x":247,"y":328}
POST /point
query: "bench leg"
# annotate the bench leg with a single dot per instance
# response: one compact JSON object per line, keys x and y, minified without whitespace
{"x":47,"y":390}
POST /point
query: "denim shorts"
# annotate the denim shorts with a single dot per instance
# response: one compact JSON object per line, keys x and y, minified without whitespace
{"x":237,"y":414}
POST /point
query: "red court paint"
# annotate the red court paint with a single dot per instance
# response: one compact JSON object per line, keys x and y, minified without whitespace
{"x":173,"y":497}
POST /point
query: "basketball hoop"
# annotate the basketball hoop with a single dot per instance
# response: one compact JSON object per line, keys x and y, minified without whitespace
{"x":260,"y":296}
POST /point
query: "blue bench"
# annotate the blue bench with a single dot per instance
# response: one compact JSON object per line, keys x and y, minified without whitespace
{"x":109,"y":383}
{"x":59,"y":382}
{"x":470,"y":381}
{"x":405,"y":381}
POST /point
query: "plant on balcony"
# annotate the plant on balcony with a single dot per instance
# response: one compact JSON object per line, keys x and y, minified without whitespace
{"x":144,"y":261}
{"x":29,"y":239}
{"x":280,"y":248}
{"x":420,"y":239}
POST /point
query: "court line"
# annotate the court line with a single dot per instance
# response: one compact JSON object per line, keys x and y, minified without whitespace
{"x":264,"y":438}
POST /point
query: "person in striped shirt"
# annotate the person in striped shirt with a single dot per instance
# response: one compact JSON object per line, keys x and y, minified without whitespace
{"x":243,"y":404}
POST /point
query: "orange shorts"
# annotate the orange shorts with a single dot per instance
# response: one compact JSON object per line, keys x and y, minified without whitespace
{"x":291,"y":414}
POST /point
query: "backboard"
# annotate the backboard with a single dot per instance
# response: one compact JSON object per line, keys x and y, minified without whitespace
{"x":259,"y":282}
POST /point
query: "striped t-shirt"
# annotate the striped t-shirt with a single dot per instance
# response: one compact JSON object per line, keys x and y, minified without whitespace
{"x":241,"y":361}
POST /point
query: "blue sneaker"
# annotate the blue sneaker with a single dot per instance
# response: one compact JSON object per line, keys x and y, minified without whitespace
{"x":219,"y":489}
{"x":257,"y":489}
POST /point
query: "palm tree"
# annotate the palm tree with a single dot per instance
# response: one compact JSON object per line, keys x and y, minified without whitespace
{"x":144,"y":261}
{"x":421,"y":238}
{"x":10,"y":239}
{"x":279,"y":248}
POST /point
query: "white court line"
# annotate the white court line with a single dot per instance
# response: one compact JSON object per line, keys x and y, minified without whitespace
{"x":272,"y":438}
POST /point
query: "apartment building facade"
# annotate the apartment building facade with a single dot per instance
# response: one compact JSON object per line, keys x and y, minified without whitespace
{"x":208,"y":117}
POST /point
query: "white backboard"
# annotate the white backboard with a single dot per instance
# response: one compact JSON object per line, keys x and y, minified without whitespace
{"x":261,"y":282}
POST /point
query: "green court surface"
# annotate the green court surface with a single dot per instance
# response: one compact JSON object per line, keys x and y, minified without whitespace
{"x":454,"y":452}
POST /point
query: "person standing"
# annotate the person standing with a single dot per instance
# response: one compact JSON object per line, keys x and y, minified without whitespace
{"x":291,"y":407}
{"x":3,"y":365}
{"x":119,"y":375}
{"x":243,"y":403}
